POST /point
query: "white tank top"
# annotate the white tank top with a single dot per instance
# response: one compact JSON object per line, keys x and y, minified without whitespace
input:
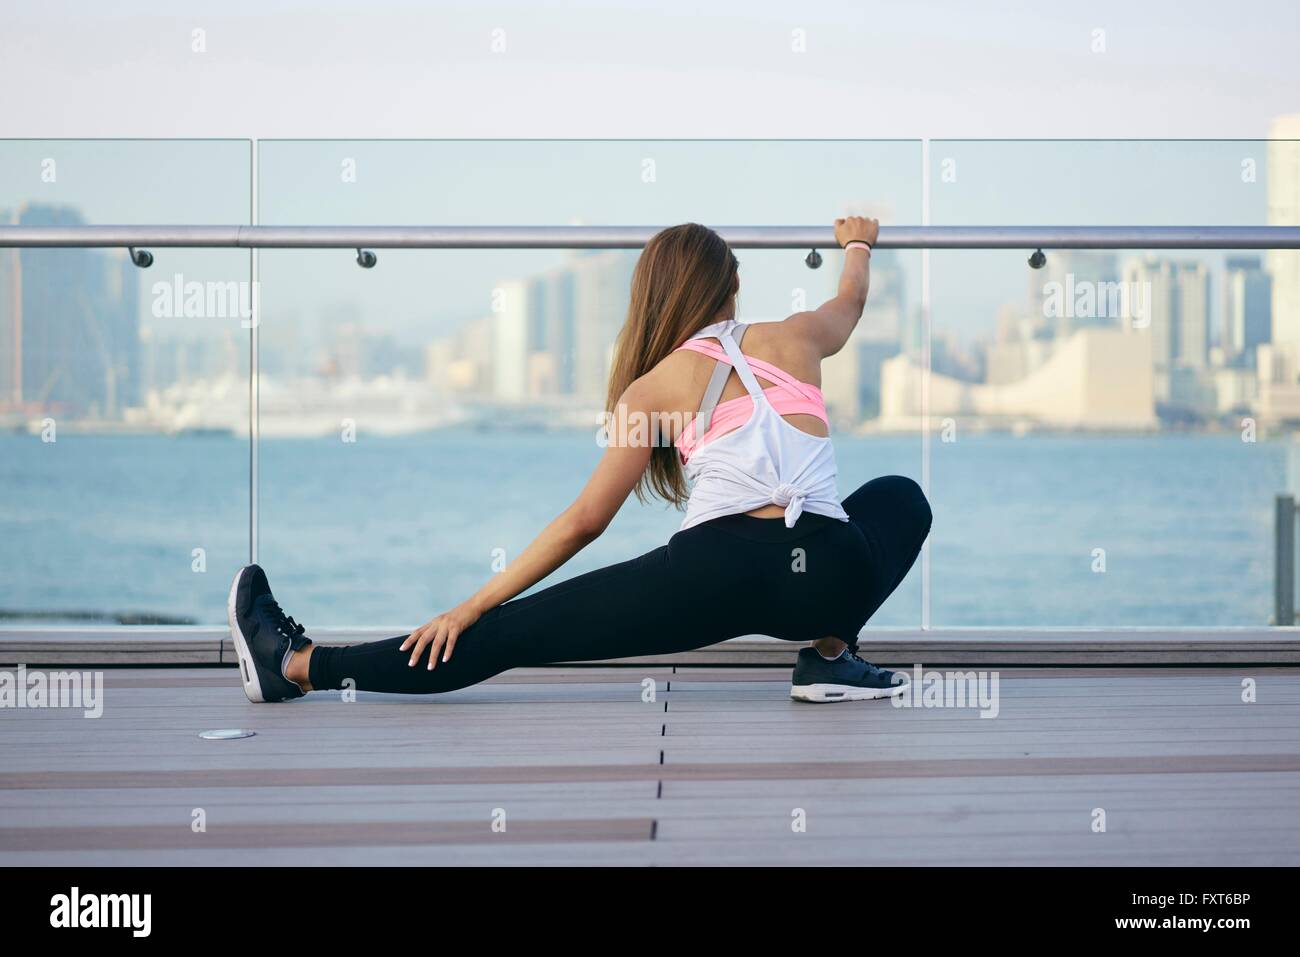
{"x":766,"y":461}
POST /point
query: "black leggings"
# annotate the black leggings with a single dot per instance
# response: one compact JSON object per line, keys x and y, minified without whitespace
{"x":732,"y":576}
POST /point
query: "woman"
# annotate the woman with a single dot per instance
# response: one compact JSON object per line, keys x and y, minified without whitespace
{"x":766,"y":546}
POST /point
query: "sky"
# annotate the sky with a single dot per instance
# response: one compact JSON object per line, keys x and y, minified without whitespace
{"x":652,"y":68}
{"x":318,"y":83}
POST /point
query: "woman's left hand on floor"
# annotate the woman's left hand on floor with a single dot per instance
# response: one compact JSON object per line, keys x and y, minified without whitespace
{"x":439,"y":634}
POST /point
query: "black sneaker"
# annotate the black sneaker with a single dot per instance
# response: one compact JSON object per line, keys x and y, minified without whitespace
{"x":264,"y":637}
{"x":847,"y":678}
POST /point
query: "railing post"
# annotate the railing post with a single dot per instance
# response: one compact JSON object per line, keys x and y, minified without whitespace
{"x":1284,"y":561}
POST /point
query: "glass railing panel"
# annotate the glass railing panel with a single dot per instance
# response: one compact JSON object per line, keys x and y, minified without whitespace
{"x":123,"y":390}
{"x":1109,"y":431}
{"x":421,"y":421}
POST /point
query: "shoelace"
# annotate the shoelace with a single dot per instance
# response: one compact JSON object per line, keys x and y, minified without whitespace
{"x":871,"y":669}
{"x":284,"y":624}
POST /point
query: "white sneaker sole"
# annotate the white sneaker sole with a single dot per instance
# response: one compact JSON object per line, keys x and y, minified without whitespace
{"x":247,"y":670}
{"x":830,"y":694}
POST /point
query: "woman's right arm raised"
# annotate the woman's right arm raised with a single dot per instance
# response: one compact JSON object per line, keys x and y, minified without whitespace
{"x":829,"y":326}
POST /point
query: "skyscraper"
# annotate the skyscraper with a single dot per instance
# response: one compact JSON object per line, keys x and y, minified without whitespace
{"x":510,"y":341}
{"x":1156,"y":276}
{"x":1283,"y":172}
{"x":1247,"y":309}
{"x":70,"y":325}
{"x":1278,"y":360}
{"x":1191,"y":339}
{"x":1177,"y":320}
{"x":602,"y":283}
{"x":551,"y":331}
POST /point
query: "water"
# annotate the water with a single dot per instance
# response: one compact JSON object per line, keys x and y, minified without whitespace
{"x":388,"y":531}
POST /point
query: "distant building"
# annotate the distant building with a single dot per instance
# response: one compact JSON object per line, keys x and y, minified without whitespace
{"x":1096,"y":379}
{"x":1021,"y":344}
{"x":1283,"y":171}
{"x":510,"y":341}
{"x":1068,"y":269}
{"x":601,"y":292}
{"x":1192,"y":316}
{"x":551,"y":334}
{"x":462,"y":362}
{"x":851,"y":380}
{"x":1175,"y":317}
{"x":1279,"y":383}
{"x":552,"y":330}
{"x":1278,"y":361}
{"x":1247,"y":309}
{"x":69,"y":324}
{"x":1156,"y":277}
{"x":1235,"y":390}
{"x":851,"y":377}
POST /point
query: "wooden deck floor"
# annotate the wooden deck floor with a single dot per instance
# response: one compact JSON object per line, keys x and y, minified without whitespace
{"x":713,"y":771}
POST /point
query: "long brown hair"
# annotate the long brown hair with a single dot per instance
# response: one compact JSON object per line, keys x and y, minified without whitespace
{"x":684,"y":278}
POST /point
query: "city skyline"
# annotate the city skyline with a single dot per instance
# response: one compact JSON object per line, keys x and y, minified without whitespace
{"x":552,"y":331}
{"x":972,"y":182}
{"x":1222,"y":328}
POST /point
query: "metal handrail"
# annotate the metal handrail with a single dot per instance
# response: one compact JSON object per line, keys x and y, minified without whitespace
{"x":632,"y":237}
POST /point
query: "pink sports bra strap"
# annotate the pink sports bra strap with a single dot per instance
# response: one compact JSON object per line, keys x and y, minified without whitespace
{"x":765,"y":370}
{"x":793,"y":396}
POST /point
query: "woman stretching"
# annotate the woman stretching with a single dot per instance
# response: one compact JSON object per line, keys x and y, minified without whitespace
{"x":766,"y":546}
